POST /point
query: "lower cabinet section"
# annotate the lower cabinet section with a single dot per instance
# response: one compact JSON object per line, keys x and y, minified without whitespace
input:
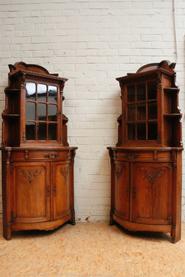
{"x":146,"y":190}
{"x":37,"y":193}
{"x":30,"y":192}
{"x":152,"y":193}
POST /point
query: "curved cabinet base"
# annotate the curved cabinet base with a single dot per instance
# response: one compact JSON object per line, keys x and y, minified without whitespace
{"x":137,"y":227}
{"x":47,"y":226}
{"x":50,"y":225}
{"x":146,"y":189}
{"x":38,"y":191}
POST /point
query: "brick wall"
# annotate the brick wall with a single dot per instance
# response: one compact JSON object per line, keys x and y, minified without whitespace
{"x":91,"y":43}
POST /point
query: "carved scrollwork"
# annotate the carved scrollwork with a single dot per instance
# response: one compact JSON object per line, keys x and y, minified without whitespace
{"x":30,"y":174}
{"x":152,"y":174}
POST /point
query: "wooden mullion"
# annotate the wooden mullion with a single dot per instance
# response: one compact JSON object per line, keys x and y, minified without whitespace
{"x":47,"y":113}
{"x":146,"y":103}
{"x":36,"y":116}
{"x":135,"y":89}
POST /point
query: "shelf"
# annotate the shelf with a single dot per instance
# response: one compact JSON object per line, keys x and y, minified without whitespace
{"x":171,"y":90}
{"x":140,"y":121}
{"x":11,"y":115}
{"x":173,"y":115}
{"x":12,"y":90}
{"x":141,"y":101}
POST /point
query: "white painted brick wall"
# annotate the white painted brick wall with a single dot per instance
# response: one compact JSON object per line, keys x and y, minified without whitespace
{"x":91,"y":43}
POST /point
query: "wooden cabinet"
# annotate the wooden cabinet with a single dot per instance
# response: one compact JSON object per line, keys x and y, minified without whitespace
{"x":37,"y":162}
{"x":146,"y":164}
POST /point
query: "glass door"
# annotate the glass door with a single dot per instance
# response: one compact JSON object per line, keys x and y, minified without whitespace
{"x":41,"y":111}
{"x":141,"y":111}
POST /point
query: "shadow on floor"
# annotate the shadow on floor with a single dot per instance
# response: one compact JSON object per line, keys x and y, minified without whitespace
{"x":150,"y":236}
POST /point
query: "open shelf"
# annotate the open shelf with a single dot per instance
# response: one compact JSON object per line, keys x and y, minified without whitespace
{"x":12,"y":90}
{"x":173,"y":115}
{"x":171,"y":90}
{"x":10,"y":115}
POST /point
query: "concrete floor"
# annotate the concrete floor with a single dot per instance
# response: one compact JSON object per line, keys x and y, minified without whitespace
{"x":91,"y":250}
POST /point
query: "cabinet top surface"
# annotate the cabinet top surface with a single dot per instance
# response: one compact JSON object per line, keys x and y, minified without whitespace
{"x":160,"y":148}
{"x":41,"y":148}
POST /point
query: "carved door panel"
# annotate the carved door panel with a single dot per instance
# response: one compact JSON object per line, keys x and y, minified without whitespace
{"x":61,"y":189}
{"x":122,"y":189}
{"x":151,"y":193}
{"x":31,"y":192}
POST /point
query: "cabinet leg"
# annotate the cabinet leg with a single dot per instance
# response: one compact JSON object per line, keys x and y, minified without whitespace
{"x":111,"y":222}
{"x":73,"y":221}
{"x":7,"y":233}
{"x":175,"y":234}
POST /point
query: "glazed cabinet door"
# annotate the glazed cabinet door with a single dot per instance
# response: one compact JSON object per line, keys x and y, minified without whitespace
{"x":61,"y":189}
{"x":121,"y":197}
{"x":152,"y":193}
{"x":31,"y":192}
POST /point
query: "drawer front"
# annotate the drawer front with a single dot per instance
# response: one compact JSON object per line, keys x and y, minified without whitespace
{"x":154,"y":155}
{"x":35,"y":155}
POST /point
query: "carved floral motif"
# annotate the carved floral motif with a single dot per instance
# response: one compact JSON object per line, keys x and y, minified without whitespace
{"x":30,"y":174}
{"x":152,"y":174}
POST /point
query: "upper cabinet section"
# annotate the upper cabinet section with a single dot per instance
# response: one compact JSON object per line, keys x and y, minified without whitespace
{"x":33,"y":107}
{"x":150,"y":113}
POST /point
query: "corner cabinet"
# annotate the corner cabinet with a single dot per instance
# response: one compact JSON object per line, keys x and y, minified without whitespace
{"x":37,"y":162}
{"x":146,"y":163}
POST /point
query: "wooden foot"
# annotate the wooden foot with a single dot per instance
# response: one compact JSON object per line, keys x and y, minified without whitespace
{"x":73,"y":221}
{"x":111,"y":222}
{"x":7,"y":234}
{"x":175,"y":234}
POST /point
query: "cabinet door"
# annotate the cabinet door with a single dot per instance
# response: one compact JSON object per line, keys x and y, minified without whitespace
{"x":61,"y":189}
{"x":151,"y":193}
{"x":31,"y":192}
{"x":122,"y":189}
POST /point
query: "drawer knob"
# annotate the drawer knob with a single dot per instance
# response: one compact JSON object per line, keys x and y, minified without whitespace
{"x":51,"y":156}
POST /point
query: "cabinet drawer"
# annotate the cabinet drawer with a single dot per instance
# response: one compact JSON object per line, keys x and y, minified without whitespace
{"x":39,"y":155}
{"x":144,"y":156}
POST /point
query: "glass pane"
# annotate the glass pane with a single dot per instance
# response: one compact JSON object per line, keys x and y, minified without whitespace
{"x":152,"y":110}
{"x":30,"y":111}
{"x":41,"y":92}
{"x":52,"y":112}
{"x":141,"y":131}
{"x":131,"y":112}
{"x":30,"y":91}
{"x":141,"y":112}
{"x":30,"y":130}
{"x":152,"y":130}
{"x":131,"y":131}
{"x":42,"y":131}
{"x":141,"y":92}
{"x":41,"y":111}
{"x":52,"y":131}
{"x":130,"y":93}
{"x":152,"y":90}
{"x":52,"y":94}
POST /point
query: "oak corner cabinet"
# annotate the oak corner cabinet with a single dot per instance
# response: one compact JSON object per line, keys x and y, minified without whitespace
{"x":37,"y":162}
{"x":146,"y":162}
